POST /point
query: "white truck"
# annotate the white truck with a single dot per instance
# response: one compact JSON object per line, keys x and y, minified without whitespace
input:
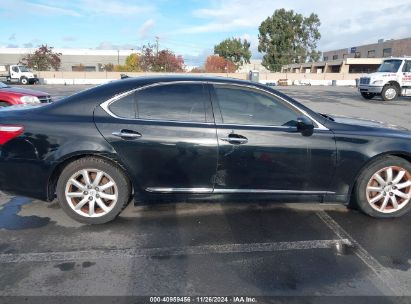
{"x":392,"y":79}
{"x":17,"y":73}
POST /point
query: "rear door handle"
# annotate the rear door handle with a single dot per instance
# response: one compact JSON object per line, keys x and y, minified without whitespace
{"x":127,"y":134}
{"x":235,"y":139}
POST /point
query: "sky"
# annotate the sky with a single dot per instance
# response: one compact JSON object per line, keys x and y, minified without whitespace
{"x":191,"y":28}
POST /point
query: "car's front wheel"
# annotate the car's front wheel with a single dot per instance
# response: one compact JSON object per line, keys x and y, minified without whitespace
{"x":383,"y":189}
{"x":390,"y":92}
{"x":93,"y":190}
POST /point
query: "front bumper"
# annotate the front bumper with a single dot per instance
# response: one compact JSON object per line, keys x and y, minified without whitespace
{"x":370,"y":89}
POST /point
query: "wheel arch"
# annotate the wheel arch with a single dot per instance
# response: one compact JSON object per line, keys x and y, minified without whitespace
{"x":394,"y":83}
{"x":401,"y":154}
{"x":59,"y":167}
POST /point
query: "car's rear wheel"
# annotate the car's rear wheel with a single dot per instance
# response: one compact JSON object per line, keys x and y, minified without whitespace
{"x":368,"y":95}
{"x":93,"y":190}
{"x":383,"y":190}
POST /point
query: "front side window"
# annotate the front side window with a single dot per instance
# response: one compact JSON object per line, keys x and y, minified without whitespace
{"x":174,"y":102}
{"x":407,"y":67}
{"x":124,"y":107}
{"x":245,"y":106}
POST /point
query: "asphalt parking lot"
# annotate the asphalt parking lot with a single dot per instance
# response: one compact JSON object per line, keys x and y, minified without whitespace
{"x":212,"y":249}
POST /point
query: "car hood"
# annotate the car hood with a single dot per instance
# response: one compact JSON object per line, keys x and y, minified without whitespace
{"x":365,"y":122}
{"x":22,"y":91}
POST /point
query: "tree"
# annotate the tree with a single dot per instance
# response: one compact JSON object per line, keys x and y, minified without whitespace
{"x":109,"y":67}
{"x":235,"y":50}
{"x":217,"y":64}
{"x":120,"y":68}
{"x":167,"y":61}
{"x":133,"y":63}
{"x":163,"y":61}
{"x":43,"y":59}
{"x":287,"y":37}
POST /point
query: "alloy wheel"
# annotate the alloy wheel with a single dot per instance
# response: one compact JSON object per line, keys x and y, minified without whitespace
{"x":391,"y":93}
{"x":389,"y":189}
{"x":91,"y":193}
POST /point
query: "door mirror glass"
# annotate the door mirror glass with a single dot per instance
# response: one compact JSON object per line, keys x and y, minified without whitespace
{"x":305,"y":126}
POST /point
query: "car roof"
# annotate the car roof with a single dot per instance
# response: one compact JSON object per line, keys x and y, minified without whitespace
{"x":182,"y":77}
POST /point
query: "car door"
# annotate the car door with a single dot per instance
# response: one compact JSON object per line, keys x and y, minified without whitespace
{"x":406,"y":75}
{"x":260,"y":149}
{"x":165,"y":135}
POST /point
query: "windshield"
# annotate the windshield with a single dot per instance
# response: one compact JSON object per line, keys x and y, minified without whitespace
{"x":390,"y":66}
{"x":23,"y":68}
{"x":2,"y":85}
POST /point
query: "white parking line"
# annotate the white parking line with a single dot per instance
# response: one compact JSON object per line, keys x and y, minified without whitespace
{"x":382,"y":273}
{"x":169,"y":251}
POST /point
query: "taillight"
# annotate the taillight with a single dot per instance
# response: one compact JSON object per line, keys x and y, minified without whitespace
{"x":8,"y":132}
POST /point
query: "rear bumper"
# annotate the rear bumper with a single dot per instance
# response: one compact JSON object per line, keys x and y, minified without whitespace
{"x":24,"y":177}
{"x":370,"y":89}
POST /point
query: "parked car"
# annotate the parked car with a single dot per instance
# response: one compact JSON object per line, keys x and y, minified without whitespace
{"x":198,"y":138}
{"x":10,"y":96}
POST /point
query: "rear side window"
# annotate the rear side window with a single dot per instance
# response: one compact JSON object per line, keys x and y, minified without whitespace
{"x":177,"y":102}
{"x":124,"y":107}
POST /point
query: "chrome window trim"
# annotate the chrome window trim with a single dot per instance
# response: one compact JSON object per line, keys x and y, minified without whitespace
{"x":178,"y":190}
{"x":227,"y":191}
{"x":106,"y":104}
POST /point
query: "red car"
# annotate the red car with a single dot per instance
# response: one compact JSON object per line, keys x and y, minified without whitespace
{"x":10,"y":96}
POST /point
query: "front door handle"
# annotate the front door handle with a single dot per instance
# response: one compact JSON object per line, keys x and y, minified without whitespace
{"x":127,"y":134}
{"x":235,"y":139}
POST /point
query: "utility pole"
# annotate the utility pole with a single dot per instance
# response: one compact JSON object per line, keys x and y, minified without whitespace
{"x":157,"y":40}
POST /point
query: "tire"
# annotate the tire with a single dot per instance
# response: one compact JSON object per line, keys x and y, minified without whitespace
{"x":377,"y":197}
{"x":85,"y":195}
{"x":390,"y":93}
{"x":4,"y":104}
{"x":24,"y":80}
{"x":368,"y":95}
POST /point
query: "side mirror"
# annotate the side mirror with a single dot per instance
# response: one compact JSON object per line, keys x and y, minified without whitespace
{"x":305,"y":126}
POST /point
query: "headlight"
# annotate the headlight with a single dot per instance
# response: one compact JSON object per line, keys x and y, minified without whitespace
{"x":29,"y":99}
{"x":377,"y":82}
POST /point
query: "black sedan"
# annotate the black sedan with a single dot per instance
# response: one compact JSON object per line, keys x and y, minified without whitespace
{"x":155,"y":138}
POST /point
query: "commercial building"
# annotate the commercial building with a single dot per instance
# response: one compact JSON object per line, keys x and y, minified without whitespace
{"x":89,"y":60}
{"x":357,"y":59}
{"x":254,"y":65}
{"x":381,"y":49}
